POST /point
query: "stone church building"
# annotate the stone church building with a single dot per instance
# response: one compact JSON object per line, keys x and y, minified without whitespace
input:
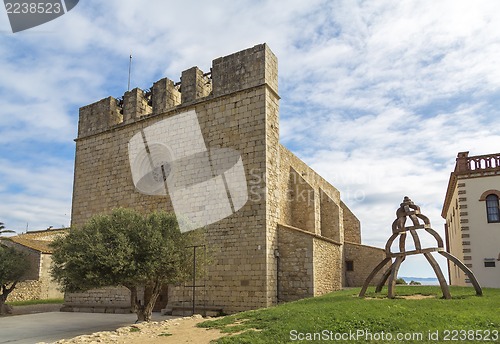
{"x":285,"y":233}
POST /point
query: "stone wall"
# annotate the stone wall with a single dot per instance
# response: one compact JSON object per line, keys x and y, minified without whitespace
{"x":364,"y":259}
{"x":352,"y":226}
{"x":237,"y":107}
{"x":302,"y":203}
{"x":309,"y":265}
{"x":308,"y":202}
{"x":35,"y":290}
{"x":105,"y":300}
{"x":232,"y":114}
{"x":331,"y":215}
{"x":37,"y":282}
{"x":296,"y":274}
{"x":300,"y":195}
{"x":26,"y":290}
{"x":328,"y":263}
{"x":50,"y":289}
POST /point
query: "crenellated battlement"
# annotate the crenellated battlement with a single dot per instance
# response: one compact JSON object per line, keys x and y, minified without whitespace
{"x":99,"y":116}
{"x":207,"y":148}
{"x":248,"y":68}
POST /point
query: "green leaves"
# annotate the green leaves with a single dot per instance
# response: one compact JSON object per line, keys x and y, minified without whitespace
{"x":122,"y":248}
{"x":13,"y":265}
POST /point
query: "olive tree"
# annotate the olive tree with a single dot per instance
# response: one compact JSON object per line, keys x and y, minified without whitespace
{"x":127,"y":249}
{"x":13,"y":265}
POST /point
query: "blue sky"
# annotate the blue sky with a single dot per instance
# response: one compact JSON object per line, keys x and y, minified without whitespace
{"x":377,"y":96}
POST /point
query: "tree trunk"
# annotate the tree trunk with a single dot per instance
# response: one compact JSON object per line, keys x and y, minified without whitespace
{"x":136,"y":304}
{"x":4,"y":292}
{"x":133,"y":298}
{"x":145,"y":311}
{"x":5,"y":308}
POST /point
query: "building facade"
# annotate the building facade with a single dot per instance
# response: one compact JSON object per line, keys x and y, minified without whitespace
{"x":471,"y":211}
{"x":285,"y":230}
{"x":37,"y":283}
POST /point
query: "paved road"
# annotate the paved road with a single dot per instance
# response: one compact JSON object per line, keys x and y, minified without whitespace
{"x":53,"y":326}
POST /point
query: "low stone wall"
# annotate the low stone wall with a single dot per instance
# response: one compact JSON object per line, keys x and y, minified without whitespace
{"x":295,"y":271}
{"x":364,"y":259}
{"x":26,"y":290}
{"x":35,"y":290}
{"x":104,"y":300}
{"x":309,"y":265}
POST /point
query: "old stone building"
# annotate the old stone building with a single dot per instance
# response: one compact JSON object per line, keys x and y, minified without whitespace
{"x":472,"y":214}
{"x":37,"y":283}
{"x":277,"y":231}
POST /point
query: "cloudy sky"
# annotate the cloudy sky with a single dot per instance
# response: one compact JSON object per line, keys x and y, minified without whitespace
{"x":377,"y":96}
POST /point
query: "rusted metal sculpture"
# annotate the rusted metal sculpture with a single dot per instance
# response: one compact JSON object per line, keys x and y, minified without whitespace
{"x":409,"y":210}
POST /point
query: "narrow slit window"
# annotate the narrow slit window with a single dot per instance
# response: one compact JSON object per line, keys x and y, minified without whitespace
{"x":349,"y":265}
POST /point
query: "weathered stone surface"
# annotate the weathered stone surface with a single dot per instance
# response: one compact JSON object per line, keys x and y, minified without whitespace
{"x":26,"y":290}
{"x":105,"y":300}
{"x":37,"y":282}
{"x":237,"y":107}
{"x":364,"y":259}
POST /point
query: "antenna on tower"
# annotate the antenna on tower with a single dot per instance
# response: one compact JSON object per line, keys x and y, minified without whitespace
{"x":129,"y":71}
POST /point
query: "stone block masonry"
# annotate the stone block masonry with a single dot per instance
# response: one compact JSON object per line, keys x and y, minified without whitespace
{"x":26,"y":290}
{"x":237,"y":107}
{"x":106,"y":300}
{"x":37,"y":283}
{"x":362,"y":260}
{"x":309,"y":264}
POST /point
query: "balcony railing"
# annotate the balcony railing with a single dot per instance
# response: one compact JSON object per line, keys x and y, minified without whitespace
{"x":478,"y":163}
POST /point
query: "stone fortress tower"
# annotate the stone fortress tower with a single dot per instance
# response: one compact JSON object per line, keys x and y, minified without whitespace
{"x":293,"y":238}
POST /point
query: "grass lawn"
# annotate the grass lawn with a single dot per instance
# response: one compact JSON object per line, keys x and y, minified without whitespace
{"x":35,"y":302}
{"x":342,"y":313}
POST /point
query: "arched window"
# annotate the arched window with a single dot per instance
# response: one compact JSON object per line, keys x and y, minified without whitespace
{"x":492,"y":208}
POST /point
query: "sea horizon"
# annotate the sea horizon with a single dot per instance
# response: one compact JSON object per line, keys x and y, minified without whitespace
{"x":422,"y":280}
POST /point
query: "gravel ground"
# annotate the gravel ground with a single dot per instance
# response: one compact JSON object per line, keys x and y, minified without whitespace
{"x":172,"y":331}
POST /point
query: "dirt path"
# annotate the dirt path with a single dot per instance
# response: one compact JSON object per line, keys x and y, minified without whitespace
{"x":173,"y":331}
{"x":178,"y":331}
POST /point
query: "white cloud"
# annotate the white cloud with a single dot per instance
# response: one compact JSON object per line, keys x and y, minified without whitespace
{"x":38,"y":195}
{"x":396,"y":94}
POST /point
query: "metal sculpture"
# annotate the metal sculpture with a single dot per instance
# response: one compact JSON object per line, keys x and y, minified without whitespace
{"x":409,"y":210}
